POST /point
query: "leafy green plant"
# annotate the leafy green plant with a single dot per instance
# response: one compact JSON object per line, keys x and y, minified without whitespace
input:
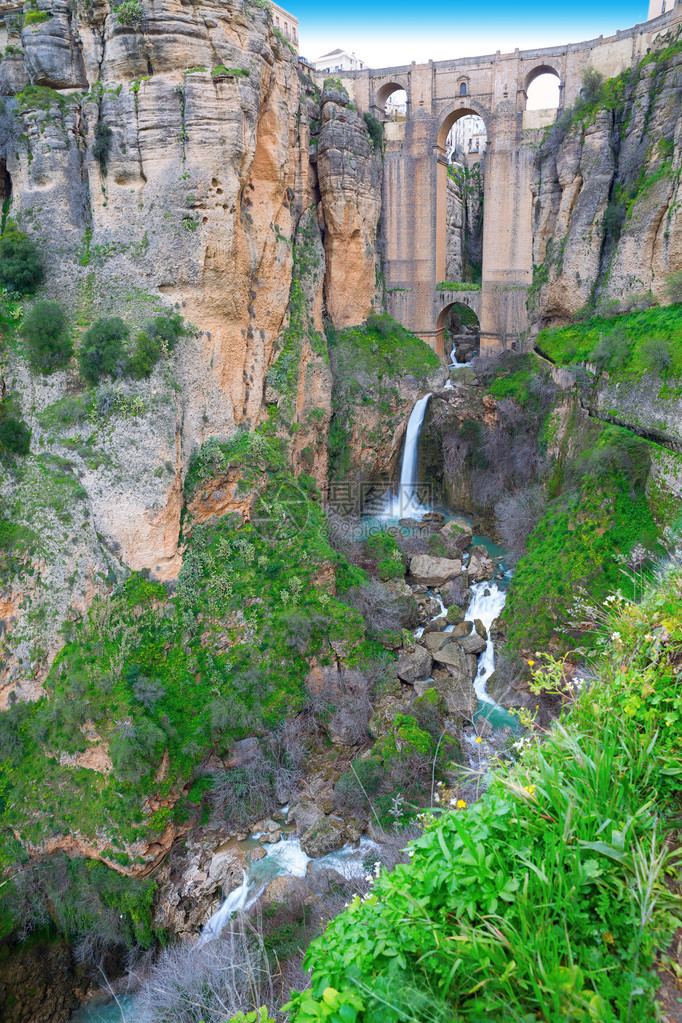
{"x":15,"y":436}
{"x":102,"y":143}
{"x":47,"y":341}
{"x":36,"y":17}
{"x":375,"y":130}
{"x":101,"y":351}
{"x":130,"y":13}
{"x":21,"y":269}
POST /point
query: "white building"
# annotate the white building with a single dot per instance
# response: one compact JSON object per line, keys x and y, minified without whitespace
{"x":338,"y":60}
{"x":286,"y":23}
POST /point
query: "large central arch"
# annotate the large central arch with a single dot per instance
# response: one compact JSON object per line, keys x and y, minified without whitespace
{"x":465,"y":107}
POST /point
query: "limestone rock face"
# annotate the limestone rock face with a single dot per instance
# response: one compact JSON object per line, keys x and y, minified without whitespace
{"x":574,"y":183}
{"x":454,"y":243}
{"x":153,"y":184}
{"x":430,"y":571}
{"x":457,"y":691}
{"x":349,"y":173}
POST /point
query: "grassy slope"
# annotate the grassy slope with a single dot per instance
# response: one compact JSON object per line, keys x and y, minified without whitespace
{"x":548,"y":899}
{"x":628,"y":336}
{"x":150,"y":672}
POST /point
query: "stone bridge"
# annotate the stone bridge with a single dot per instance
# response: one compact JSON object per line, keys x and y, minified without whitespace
{"x":415,"y":170}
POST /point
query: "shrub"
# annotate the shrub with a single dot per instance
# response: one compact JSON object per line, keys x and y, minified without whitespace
{"x":101,"y":352}
{"x":129,"y":13}
{"x":375,"y":130}
{"x":15,"y":437}
{"x":592,"y":85}
{"x":49,"y":346}
{"x":673,"y":287}
{"x":21,"y":270}
{"x":102,"y":143}
{"x":658,"y":356}
{"x":145,"y":356}
{"x":167,"y":328}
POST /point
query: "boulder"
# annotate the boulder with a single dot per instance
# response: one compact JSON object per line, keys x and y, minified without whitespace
{"x":325,"y":836}
{"x":454,"y":614}
{"x":436,"y":625}
{"x":509,"y":694}
{"x":432,"y":516}
{"x":472,"y":644}
{"x":415,"y":665}
{"x":305,"y":814}
{"x":461,"y":630}
{"x":497,"y":627}
{"x":462,"y":376}
{"x":458,"y":693}
{"x":434,"y":571}
{"x":435,"y":640}
{"x":457,"y":535}
{"x":480,"y":628}
{"x":480,"y":566}
{"x":452,"y":655}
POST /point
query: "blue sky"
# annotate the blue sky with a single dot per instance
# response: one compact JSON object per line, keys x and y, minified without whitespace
{"x":386,"y":33}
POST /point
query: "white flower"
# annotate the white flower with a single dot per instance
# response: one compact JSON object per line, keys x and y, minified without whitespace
{"x":615,"y":636}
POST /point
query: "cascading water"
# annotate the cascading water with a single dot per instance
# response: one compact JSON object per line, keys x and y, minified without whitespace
{"x":486,"y":604}
{"x":407,"y":503}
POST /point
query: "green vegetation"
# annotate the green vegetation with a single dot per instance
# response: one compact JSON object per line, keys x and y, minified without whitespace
{"x":585,"y":537}
{"x":458,"y":286}
{"x":229,"y":72}
{"x":550,"y":896}
{"x":47,"y":340}
{"x":130,"y":13}
{"x":21,"y":270}
{"x":101,"y":351}
{"x":15,"y":436}
{"x":367,"y":363}
{"x":102,"y":144}
{"x":514,"y":379}
{"x":627,"y":345}
{"x":375,"y":130}
{"x":36,"y":18}
{"x":384,"y":549}
{"x":224,"y":657}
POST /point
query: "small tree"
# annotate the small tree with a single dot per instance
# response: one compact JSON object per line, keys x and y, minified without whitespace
{"x":101,"y":352}
{"x":49,"y":346}
{"x":102,"y":144}
{"x":145,"y":356}
{"x":673,"y":287}
{"x":15,"y":437}
{"x":658,"y":356}
{"x":592,"y":84}
{"x":21,"y":270}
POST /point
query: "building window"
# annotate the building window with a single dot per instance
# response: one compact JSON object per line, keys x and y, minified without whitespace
{"x":463,"y":89}
{"x":277,"y":22}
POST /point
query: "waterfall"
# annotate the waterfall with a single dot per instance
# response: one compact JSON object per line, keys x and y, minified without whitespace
{"x":235,"y":901}
{"x":407,"y":503}
{"x":486,"y":604}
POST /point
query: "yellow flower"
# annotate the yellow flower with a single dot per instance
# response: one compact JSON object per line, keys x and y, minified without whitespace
{"x":461,"y":804}
{"x":530,"y":789}
{"x":608,"y":937}
{"x":479,"y":739}
{"x":531,"y":663}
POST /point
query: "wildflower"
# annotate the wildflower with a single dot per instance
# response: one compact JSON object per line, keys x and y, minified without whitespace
{"x":537,"y":706}
{"x":648,"y":637}
{"x":531,"y":663}
{"x":461,"y":804}
{"x":530,"y":789}
{"x":608,"y":937}
{"x":615,"y":636}
{"x":479,"y":739}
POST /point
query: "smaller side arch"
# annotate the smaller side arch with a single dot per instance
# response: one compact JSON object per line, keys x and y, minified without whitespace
{"x":385,"y":91}
{"x":541,"y":69}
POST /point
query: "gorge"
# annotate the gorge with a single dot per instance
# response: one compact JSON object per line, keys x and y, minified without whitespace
{"x":340,"y":491}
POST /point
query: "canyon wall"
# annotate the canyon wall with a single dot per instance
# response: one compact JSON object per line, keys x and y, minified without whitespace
{"x":182,"y":162}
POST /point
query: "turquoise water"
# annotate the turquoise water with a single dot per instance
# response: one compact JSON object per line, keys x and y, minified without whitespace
{"x":111,"y":1012}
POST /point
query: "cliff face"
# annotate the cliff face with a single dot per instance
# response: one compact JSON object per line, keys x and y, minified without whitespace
{"x":174,"y":163}
{"x":607,"y":226}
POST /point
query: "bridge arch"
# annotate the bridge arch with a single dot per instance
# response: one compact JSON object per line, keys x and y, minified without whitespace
{"x":539,"y":71}
{"x":467,"y":106}
{"x":462,"y":302}
{"x":385,"y":91}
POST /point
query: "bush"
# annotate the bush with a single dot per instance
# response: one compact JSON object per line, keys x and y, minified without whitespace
{"x":102,"y":144}
{"x":658,"y":356}
{"x":129,"y":13}
{"x":145,"y":356}
{"x":167,"y":329}
{"x":592,"y":85}
{"x":49,"y":346}
{"x":21,"y":270}
{"x":375,"y":130}
{"x":15,"y":437}
{"x":673,"y":287}
{"x":101,"y":352}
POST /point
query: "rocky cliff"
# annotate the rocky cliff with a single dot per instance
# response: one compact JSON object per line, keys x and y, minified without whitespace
{"x":606,"y":221}
{"x":167,"y":156}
